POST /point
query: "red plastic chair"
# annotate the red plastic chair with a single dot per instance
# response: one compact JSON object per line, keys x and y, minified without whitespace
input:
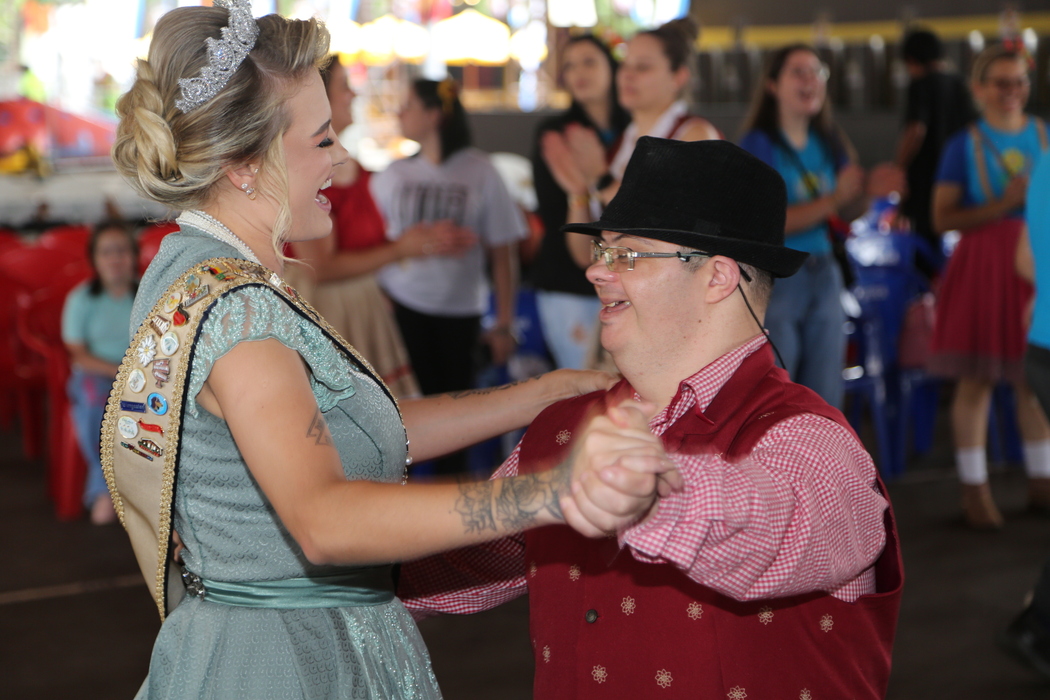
{"x":149,"y":241}
{"x":21,"y":375}
{"x":72,"y":238}
{"x":39,"y":323}
{"x":10,"y":239}
{"x":24,"y":371}
{"x":36,"y":267}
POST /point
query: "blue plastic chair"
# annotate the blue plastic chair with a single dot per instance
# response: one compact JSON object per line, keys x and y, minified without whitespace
{"x":865,"y":383}
{"x":886,"y":282}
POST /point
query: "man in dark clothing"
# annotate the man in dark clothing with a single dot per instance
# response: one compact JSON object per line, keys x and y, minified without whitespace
{"x":938,"y":105}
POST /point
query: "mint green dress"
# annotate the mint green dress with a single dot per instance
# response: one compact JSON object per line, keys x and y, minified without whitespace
{"x":207,"y":649}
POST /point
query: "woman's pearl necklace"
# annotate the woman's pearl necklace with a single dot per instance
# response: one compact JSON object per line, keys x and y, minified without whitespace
{"x":216,"y":229}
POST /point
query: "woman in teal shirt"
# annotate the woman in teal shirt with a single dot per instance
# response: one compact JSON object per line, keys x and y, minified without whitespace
{"x":790,"y":128}
{"x":979,"y":337}
{"x":95,"y":331}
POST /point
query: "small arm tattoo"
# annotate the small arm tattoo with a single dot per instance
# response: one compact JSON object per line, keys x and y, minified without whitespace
{"x":488,"y":389}
{"x":319,"y":430}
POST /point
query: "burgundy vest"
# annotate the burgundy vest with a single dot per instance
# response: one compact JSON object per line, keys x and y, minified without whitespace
{"x":605,"y":625}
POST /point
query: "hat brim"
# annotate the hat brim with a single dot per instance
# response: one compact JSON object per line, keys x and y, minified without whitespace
{"x":777,"y":260}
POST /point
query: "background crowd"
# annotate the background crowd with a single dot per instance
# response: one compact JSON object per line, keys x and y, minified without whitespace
{"x":429,"y":266}
{"x":435,"y":272}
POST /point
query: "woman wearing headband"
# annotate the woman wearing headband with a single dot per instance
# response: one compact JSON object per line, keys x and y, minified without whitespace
{"x":439,"y":300}
{"x":979,"y":337}
{"x":240,"y":421}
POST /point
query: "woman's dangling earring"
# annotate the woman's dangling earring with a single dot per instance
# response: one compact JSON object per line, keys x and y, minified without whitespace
{"x":250,"y":191}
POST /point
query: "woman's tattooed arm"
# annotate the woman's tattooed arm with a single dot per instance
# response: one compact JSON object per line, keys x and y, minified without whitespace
{"x":512,"y":504}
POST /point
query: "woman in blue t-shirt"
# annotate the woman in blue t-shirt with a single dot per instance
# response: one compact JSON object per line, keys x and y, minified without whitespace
{"x":95,"y":330}
{"x":790,"y":128}
{"x":979,"y":337}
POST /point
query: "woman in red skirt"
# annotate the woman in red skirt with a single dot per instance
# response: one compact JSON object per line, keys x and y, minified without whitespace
{"x":979,"y":336}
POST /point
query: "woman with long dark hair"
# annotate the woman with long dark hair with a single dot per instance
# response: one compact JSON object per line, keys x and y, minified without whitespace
{"x":651,"y":85}
{"x":979,"y":337}
{"x":566,"y":301}
{"x":95,"y":332}
{"x":439,"y":300}
{"x":790,"y":127}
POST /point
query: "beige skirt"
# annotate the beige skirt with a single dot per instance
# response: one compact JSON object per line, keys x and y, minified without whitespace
{"x":362,"y":314}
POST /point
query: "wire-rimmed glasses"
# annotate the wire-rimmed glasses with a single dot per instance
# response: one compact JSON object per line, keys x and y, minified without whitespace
{"x":621,"y":259}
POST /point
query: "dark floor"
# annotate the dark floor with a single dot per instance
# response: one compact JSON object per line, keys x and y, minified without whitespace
{"x":76,"y":620}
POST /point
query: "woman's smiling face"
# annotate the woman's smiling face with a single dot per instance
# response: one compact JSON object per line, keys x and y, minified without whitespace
{"x":801,"y":87}
{"x":1004,"y":89}
{"x":311,"y":151}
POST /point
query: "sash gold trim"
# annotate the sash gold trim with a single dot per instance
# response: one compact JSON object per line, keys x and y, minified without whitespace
{"x":142,"y":429}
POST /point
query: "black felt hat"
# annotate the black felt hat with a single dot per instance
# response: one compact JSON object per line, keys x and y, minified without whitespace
{"x":707,"y":195}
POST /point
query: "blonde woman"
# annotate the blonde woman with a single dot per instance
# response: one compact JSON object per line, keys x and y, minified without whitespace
{"x":242,"y":423}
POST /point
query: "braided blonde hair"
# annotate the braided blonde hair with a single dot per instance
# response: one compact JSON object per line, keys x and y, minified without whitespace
{"x":177,"y":159}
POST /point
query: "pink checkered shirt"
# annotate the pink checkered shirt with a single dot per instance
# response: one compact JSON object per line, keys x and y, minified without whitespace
{"x":800,"y":514}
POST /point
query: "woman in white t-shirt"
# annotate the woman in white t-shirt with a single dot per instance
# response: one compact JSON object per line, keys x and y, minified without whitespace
{"x":439,"y":300}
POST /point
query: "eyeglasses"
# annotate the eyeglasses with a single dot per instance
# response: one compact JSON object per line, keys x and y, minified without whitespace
{"x":802,"y":73}
{"x":619,"y":259}
{"x":1006,"y":84}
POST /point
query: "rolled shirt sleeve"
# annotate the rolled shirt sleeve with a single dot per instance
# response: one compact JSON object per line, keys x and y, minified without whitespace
{"x":800,"y":513}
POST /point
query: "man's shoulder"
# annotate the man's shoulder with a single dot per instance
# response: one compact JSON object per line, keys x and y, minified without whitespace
{"x":400,"y":167}
{"x":775,"y":400}
{"x":569,"y":412}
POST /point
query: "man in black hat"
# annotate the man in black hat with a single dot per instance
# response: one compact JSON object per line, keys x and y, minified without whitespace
{"x":774,"y":570}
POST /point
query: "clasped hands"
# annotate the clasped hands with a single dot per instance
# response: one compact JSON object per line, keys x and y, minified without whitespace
{"x":575,"y":157}
{"x":442,"y":237}
{"x":618,"y":469}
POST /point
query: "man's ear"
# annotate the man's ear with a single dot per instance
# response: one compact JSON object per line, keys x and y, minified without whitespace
{"x":724,"y":278}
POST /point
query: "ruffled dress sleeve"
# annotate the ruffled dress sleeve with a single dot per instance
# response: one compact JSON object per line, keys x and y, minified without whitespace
{"x":258,"y":313}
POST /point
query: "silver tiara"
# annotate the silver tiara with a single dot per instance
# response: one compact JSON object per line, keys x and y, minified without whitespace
{"x":224,"y":56}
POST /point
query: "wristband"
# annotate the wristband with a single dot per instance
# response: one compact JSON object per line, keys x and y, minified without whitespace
{"x":580,"y":201}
